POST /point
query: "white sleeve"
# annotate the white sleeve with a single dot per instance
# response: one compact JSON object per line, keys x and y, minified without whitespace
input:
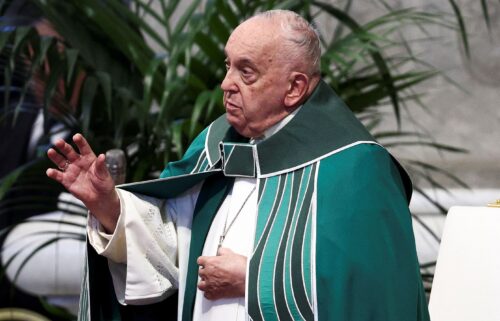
{"x":142,"y":251}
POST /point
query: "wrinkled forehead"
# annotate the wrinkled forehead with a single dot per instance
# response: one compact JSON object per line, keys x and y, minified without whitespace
{"x":255,"y":34}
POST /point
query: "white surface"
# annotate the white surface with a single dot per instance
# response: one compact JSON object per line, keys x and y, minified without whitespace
{"x":467,"y":280}
{"x":427,"y":245}
{"x":57,"y":268}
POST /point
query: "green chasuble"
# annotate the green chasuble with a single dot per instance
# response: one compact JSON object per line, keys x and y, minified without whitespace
{"x":333,"y":239}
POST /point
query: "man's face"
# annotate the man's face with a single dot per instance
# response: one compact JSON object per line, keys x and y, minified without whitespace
{"x":256,"y":81}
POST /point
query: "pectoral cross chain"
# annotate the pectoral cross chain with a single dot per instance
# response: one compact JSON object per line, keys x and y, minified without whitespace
{"x":227,"y":228}
{"x":221,"y":240}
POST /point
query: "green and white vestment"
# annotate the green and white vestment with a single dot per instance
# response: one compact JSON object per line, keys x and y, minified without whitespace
{"x":333,"y":239}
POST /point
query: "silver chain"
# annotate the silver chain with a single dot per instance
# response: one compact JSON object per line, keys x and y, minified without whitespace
{"x":226,"y":230}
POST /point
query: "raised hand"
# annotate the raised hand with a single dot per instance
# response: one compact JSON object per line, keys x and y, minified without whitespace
{"x":222,"y":276}
{"x":85,"y":176}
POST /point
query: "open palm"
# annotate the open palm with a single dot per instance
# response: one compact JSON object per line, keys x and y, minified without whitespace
{"x":85,"y":176}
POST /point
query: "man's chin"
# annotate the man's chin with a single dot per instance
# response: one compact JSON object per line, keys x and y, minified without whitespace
{"x":238,"y":125}
{"x":234,"y":121}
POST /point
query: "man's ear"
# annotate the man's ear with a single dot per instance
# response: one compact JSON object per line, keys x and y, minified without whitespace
{"x":297,"y":89}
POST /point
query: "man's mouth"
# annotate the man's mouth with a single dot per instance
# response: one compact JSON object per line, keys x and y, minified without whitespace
{"x":230,"y":105}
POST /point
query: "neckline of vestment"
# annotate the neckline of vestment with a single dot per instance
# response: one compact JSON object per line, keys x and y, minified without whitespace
{"x":323,"y":125}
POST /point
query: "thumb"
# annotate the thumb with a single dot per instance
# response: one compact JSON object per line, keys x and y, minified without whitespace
{"x":100,"y":167}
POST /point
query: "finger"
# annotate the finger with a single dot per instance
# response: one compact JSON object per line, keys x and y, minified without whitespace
{"x":209,"y":295}
{"x":82,"y":145}
{"x":55,"y":174}
{"x":202,"y":285}
{"x":66,"y":150}
{"x":100,"y":166}
{"x":56,"y":158}
{"x":202,"y":273}
{"x":202,"y":260}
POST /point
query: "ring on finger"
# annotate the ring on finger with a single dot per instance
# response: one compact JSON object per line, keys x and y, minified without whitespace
{"x":65,"y":166}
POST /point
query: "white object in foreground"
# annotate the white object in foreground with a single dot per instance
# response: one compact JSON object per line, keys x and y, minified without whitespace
{"x":467,"y":279}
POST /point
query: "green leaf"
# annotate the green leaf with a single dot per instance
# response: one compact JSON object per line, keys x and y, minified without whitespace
{"x":105,"y":83}
{"x":88,"y":96}
{"x":215,"y":100}
{"x":186,"y":17}
{"x":486,"y":14}
{"x":149,"y":77}
{"x":165,"y":106}
{"x":21,"y":35}
{"x":71,"y":56}
{"x":438,"y":170}
{"x":170,"y":8}
{"x":461,"y":24}
{"x":141,"y":23}
{"x":41,"y":54}
{"x":177,"y":133}
{"x":240,"y":6}
{"x":436,"y":204}
{"x":199,"y":105}
{"x":209,"y":47}
{"x":119,"y":31}
{"x":398,"y":134}
{"x":363,"y":99}
{"x":377,"y":57}
{"x":149,"y":10}
{"x":218,"y":29}
{"x":287,"y":4}
{"x":438,"y":146}
{"x":227,"y":13}
{"x":54,"y":77}
{"x":4,"y":37}
{"x":427,"y":228}
{"x":7,"y":182}
{"x":339,"y":29}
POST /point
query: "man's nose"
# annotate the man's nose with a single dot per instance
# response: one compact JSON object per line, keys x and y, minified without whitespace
{"x":228,"y":83}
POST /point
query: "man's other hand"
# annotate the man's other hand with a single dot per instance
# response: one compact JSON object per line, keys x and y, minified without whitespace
{"x":222,"y":276}
{"x":85,"y":176}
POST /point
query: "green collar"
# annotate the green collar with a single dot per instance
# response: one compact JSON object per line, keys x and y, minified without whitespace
{"x":323,"y":126}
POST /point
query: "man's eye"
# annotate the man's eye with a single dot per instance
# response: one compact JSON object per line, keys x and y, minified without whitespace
{"x":246,"y":72}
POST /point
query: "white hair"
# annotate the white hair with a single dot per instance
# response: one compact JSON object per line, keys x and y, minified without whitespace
{"x":302,"y":37}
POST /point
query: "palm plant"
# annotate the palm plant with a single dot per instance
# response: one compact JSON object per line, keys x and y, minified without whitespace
{"x":144,"y":76}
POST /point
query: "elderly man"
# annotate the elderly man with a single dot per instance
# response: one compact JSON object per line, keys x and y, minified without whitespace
{"x":285,"y":208}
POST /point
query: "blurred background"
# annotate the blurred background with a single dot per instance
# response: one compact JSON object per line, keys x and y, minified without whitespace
{"x":143,"y":76}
